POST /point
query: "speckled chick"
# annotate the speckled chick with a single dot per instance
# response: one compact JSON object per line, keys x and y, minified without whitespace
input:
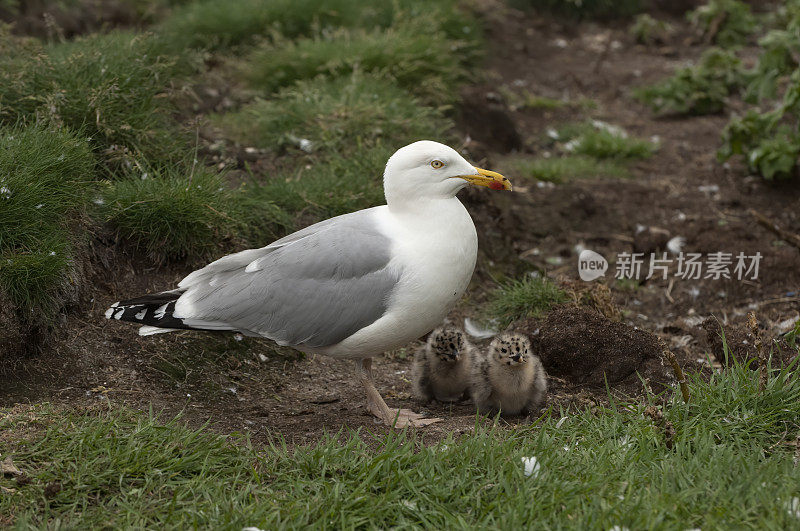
{"x":509,"y":379}
{"x":442,"y":368}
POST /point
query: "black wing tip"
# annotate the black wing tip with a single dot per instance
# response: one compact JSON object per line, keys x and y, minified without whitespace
{"x":154,"y":310}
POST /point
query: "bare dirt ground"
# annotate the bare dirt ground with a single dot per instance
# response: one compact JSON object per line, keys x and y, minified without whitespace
{"x":253,"y":387}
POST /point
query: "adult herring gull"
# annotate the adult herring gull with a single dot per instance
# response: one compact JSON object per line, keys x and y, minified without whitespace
{"x":352,"y":286}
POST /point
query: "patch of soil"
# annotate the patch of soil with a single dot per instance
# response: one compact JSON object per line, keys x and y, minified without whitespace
{"x":734,"y":343}
{"x":488,"y":123}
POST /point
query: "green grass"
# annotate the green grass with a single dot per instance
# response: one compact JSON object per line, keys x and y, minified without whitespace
{"x":110,"y":88}
{"x":413,"y":55}
{"x":730,"y":465}
{"x":171,"y":213}
{"x":562,"y":169}
{"x":45,"y":178}
{"x":337,"y":185}
{"x":336,"y":115}
{"x":528,"y":297}
{"x":214,"y":25}
{"x":696,"y":90}
{"x":605,"y":142}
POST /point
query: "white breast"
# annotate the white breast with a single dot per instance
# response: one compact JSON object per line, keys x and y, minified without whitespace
{"x":435,"y":254}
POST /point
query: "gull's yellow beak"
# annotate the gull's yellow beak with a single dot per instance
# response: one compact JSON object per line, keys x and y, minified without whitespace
{"x":487,"y":178}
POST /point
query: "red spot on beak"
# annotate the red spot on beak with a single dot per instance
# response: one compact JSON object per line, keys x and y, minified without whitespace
{"x":496,"y":185}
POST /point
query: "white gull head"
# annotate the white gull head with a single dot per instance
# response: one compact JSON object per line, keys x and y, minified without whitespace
{"x":430,"y":170}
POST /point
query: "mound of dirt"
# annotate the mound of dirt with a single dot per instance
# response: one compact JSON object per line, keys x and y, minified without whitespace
{"x":584,"y":347}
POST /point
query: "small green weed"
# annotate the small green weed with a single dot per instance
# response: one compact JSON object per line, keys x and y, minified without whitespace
{"x":696,"y":90}
{"x":725,"y":23}
{"x":779,"y":58}
{"x":770,"y":141}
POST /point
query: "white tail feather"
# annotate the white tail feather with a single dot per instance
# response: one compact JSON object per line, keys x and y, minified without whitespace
{"x":152,"y":330}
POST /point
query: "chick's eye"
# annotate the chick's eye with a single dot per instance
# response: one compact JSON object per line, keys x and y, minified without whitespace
{"x":436,"y":164}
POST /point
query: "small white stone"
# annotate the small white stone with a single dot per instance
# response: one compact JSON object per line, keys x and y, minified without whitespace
{"x":306,"y":145}
{"x":793,"y":507}
{"x":532,"y":467}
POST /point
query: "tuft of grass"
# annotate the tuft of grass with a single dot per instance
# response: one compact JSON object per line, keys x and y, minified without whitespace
{"x":110,"y":88}
{"x":648,"y":30}
{"x":562,"y":169}
{"x":528,"y":100}
{"x":725,"y":23}
{"x":337,"y":185}
{"x":696,"y":90}
{"x":45,"y":178}
{"x":532,"y":101}
{"x":260,"y":221}
{"x":732,"y":451}
{"x":528,"y":297}
{"x":214,"y":25}
{"x":415,"y":56}
{"x":171,"y":213}
{"x":604,"y":141}
{"x":336,"y":116}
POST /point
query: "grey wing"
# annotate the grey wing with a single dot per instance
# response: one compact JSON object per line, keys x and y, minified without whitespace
{"x":315,"y":287}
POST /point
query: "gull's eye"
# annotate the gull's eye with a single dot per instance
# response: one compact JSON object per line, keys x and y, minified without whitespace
{"x":436,"y":164}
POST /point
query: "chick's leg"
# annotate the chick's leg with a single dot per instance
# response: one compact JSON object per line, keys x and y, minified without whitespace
{"x":399,"y":418}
